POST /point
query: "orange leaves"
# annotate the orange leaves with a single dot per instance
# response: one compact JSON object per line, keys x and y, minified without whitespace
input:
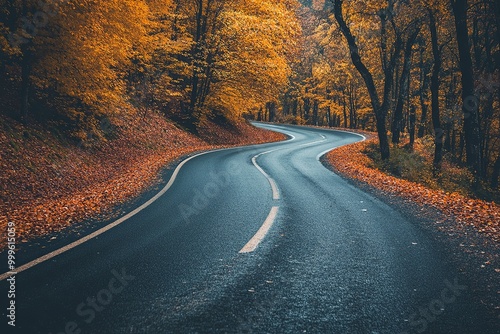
{"x":242,"y":134}
{"x":484,"y":216}
{"x":47,"y":186}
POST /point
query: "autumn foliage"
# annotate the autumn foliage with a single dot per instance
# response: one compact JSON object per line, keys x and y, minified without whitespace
{"x":416,"y":68}
{"x":74,"y":63}
{"x":98,"y":96}
{"x":86,"y":83}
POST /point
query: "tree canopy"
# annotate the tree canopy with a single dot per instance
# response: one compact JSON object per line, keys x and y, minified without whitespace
{"x":402,"y":68}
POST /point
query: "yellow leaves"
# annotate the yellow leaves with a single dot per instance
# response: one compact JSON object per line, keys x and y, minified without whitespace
{"x":255,"y":39}
{"x":95,"y":55}
{"x":86,"y":56}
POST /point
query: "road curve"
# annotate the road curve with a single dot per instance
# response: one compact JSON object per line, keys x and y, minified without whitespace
{"x":258,"y":239}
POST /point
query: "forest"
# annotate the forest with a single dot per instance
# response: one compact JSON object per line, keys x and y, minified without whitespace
{"x":409,"y":70}
{"x":250,"y":166}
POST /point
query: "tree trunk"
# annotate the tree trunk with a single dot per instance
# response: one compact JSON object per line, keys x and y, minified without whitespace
{"x":329,"y":116}
{"x":436,"y":121}
{"x":294,"y":107}
{"x":26,"y":65}
{"x":352,"y":107}
{"x":307,"y":108}
{"x":461,"y":147}
{"x":497,"y":17}
{"x":486,"y":138}
{"x":196,"y":53}
{"x":423,"y":94}
{"x":205,"y":18}
{"x":454,"y":141}
{"x":411,"y":127}
{"x":271,"y":108}
{"x":344,"y":103}
{"x":315,"y":112}
{"x":397,"y":123}
{"x":379,"y":108}
{"x":470,"y":102}
{"x":495,"y":174}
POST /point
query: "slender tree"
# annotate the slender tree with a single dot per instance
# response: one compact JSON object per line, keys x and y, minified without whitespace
{"x":380,"y":106}
{"x":398,"y":122}
{"x":470,"y":101}
{"x":436,"y":117}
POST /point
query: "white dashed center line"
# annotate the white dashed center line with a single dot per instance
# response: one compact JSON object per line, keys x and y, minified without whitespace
{"x":261,"y":233}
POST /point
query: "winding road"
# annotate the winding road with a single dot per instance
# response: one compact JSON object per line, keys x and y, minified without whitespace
{"x":258,"y":239}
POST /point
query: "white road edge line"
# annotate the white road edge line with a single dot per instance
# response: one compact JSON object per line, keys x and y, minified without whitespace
{"x":139,"y":209}
{"x":261,"y":233}
{"x":319,"y":156}
{"x":118,"y":221}
{"x":107,"y":227}
{"x":254,"y":162}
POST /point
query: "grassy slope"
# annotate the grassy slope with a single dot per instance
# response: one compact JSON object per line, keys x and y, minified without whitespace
{"x":47,"y":184}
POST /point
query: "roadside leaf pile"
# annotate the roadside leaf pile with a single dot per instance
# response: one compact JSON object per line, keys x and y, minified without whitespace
{"x":484,"y":216}
{"x":46,"y":186}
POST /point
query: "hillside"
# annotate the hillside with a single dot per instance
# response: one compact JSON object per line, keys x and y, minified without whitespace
{"x":48,"y":183}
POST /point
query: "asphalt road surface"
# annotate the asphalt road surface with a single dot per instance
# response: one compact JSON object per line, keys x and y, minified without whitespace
{"x":259,"y":239}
